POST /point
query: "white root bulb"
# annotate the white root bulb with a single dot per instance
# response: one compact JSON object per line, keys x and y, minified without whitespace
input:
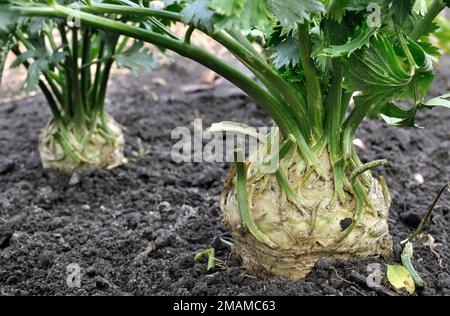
{"x":300,"y":242}
{"x":98,"y":153}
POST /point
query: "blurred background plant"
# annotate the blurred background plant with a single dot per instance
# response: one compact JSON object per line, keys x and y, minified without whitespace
{"x":442,"y":34}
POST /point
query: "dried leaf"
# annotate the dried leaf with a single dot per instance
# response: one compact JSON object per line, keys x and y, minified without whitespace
{"x":400,"y":278}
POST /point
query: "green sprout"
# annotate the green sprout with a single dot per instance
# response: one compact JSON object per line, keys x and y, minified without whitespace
{"x":407,"y":258}
{"x":210,"y":254}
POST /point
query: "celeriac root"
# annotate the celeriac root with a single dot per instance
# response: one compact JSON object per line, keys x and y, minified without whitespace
{"x":301,"y":239}
{"x":99,"y":151}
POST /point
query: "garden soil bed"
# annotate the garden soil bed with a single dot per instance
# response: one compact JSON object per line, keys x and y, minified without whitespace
{"x":136,"y":229}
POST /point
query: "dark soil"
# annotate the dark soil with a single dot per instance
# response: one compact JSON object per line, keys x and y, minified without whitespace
{"x":104,"y":221}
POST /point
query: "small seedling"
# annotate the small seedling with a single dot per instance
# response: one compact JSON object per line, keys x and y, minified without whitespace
{"x":141,"y":152}
{"x":210,"y":254}
{"x":407,"y":256}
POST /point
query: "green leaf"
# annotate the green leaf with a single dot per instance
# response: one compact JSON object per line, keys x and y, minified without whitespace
{"x":40,"y":54}
{"x":293,"y":75}
{"x":397,"y":116}
{"x":198,"y":14}
{"x":57,"y":58}
{"x":35,"y":71}
{"x":227,"y":7}
{"x":109,"y":38}
{"x":400,"y":278}
{"x":401,"y":10}
{"x":32,"y":80}
{"x":253,"y":15}
{"x":35,"y":25}
{"x":362,"y":40}
{"x":420,"y":7}
{"x":432,"y":50}
{"x":443,"y":33}
{"x":137,"y":59}
{"x":424,"y":74}
{"x":287,"y":53}
{"x":291,"y":12}
{"x":337,"y":8}
{"x":376,"y":69}
{"x":7,"y":18}
{"x":442,"y":101}
{"x":322,"y":62}
{"x":380,"y":74}
{"x":23,"y":58}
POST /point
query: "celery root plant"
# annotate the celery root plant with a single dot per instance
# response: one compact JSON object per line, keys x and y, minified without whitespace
{"x":71,"y":65}
{"x":318,"y":56}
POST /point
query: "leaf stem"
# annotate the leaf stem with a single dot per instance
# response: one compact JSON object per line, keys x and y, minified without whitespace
{"x":78,"y":109}
{"x":351,"y":124}
{"x":267,"y":75}
{"x":244,"y":204}
{"x":334,"y":124}
{"x":188,"y":35}
{"x":405,"y":47}
{"x":424,"y":24}
{"x":334,"y":110}
{"x":267,"y":101}
{"x":47,"y":74}
{"x":45,"y":90}
{"x":103,"y":84}
{"x":371,"y":165}
{"x":314,"y":94}
{"x":427,"y":217}
{"x":242,"y":52}
{"x":68,"y":108}
{"x":98,"y":75}
{"x":86,"y":71}
{"x":163,"y":28}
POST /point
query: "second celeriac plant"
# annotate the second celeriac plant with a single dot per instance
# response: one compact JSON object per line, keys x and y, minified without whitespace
{"x":71,"y":64}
